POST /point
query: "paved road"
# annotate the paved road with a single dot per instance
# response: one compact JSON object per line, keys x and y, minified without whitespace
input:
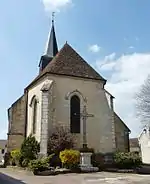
{"x":5,"y":179}
{"x":91,"y":178}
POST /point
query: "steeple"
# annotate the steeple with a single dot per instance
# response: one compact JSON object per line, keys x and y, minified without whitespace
{"x":51,"y":47}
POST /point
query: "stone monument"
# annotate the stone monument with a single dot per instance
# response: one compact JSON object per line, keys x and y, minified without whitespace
{"x":85,"y":155}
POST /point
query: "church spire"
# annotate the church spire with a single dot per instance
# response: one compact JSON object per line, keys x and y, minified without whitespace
{"x":51,"y":47}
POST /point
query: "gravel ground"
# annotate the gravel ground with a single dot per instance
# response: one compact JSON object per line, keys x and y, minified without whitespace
{"x":22,"y":177}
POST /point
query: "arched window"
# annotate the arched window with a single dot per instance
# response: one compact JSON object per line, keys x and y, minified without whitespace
{"x":34,"y":106}
{"x":34,"y":116}
{"x":75,"y":114}
{"x":34,"y":123}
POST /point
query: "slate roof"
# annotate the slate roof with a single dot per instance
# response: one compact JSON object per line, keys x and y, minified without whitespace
{"x":52,"y":47}
{"x":68,"y":62}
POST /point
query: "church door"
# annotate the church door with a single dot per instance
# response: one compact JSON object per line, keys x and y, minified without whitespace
{"x":75,"y":114}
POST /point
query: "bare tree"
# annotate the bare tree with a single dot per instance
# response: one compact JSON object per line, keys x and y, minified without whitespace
{"x":60,"y":139}
{"x":143,"y":102}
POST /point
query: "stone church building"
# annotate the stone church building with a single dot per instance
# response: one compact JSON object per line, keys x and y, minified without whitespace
{"x":65,"y":88}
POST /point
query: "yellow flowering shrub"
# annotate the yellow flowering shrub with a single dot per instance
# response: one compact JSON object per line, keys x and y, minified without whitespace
{"x":15,"y":156}
{"x":70,"y":158}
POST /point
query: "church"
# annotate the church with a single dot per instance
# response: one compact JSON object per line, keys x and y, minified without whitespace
{"x":67,"y":92}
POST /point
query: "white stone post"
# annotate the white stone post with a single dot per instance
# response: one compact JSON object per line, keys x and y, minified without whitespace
{"x":113,"y":123}
{"x":45,"y":118}
{"x":85,"y":159}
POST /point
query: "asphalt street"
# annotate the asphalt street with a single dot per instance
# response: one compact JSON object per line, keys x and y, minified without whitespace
{"x":4,"y":179}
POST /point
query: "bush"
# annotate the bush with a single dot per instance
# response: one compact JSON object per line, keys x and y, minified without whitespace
{"x":70,"y":158}
{"x":25,"y":163}
{"x":39,"y":165}
{"x":54,"y":160}
{"x":15,"y":157}
{"x":97,"y":160}
{"x":7,"y":159}
{"x":30,"y":148}
{"x":60,"y":140}
{"x":127,"y":160}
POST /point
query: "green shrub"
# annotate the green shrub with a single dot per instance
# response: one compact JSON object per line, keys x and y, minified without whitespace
{"x":127,"y":160}
{"x":55,"y":160}
{"x":15,"y":157}
{"x":30,"y":148}
{"x":70,"y":158}
{"x":39,"y":165}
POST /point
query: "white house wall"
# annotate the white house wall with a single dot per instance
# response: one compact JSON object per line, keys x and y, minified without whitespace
{"x":145,"y":146}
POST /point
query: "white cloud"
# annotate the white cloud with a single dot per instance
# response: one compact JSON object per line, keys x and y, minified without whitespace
{"x":107,"y":66}
{"x":107,"y":63}
{"x":128,"y":73}
{"x":131,"y":47}
{"x":56,"y":5}
{"x":110,"y":57}
{"x":94,"y":48}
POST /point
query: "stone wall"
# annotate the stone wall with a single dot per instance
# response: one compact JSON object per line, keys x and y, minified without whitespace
{"x":122,"y":135}
{"x":91,"y":93}
{"x":16,"y":128}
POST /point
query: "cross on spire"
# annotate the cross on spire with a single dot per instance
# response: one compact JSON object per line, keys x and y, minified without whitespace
{"x":53,"y":16}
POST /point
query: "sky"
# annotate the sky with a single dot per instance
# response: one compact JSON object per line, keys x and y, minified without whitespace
{"x":111,"y":35}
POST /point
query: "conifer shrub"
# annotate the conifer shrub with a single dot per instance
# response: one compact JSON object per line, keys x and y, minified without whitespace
{"x":30,"y":148}
{"x":70,"y":158}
